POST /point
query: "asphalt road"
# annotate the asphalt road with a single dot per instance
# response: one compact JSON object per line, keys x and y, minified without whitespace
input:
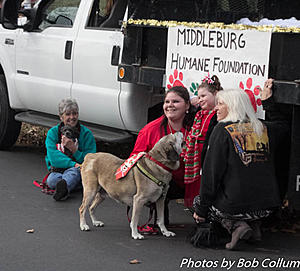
{"x":57,"y":244}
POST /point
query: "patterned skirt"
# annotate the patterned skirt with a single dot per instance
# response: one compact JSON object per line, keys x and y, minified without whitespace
{"x":217,"y":215}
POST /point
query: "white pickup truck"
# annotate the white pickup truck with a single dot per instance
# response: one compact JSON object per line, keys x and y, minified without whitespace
{"x":68,"y":48}
{"x":79,"y":48}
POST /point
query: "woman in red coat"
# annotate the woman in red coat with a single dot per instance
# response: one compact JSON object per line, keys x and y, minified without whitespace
{"x":177,"y":117}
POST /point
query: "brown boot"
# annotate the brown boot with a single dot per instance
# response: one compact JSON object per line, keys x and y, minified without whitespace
{"x":243,"y":231}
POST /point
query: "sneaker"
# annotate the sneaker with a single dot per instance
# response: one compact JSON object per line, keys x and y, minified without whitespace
{"x":147,"y":230}
{"x":61,"y":191}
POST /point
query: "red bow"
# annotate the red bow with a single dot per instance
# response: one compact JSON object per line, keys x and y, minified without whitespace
{"x":208,"y":79}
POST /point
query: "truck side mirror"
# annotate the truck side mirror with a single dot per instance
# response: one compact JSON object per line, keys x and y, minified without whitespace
{"x":9,"y":14}
{"x":12,"y":17}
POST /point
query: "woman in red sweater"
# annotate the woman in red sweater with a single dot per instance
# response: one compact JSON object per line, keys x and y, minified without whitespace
{"x":178,"y":116}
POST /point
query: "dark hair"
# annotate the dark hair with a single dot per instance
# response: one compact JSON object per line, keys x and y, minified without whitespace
{"x":180,"y":91}
{"x":189,"y":117}
{"x":211,"y":84}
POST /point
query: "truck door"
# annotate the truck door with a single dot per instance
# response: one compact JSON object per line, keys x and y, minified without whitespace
{"x":93,"y":74}
{"x":43,"y":57}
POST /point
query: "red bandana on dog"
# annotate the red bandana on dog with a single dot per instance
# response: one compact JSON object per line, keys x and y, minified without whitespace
{"x":127,"y":165}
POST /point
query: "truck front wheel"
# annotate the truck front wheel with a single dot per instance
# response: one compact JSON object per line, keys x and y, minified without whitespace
{"x":9,"y":127}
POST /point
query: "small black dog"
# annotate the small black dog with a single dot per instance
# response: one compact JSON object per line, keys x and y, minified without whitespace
{"x":71,"y":133}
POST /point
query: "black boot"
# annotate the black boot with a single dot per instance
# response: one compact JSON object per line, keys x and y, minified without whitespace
{"x":61,"y":191}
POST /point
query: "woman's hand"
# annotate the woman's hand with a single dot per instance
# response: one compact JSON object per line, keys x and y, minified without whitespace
{"x":267,"y":91}
{"x":69,"y":143}
{"x":194,"y":101}
{"x":198,"y":219}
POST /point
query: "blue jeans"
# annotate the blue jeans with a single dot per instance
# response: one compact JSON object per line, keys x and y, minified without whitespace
{"x":71,"y":176}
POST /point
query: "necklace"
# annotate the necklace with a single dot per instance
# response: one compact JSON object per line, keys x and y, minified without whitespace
{"x":171,"y":129}
{"x":202,"y":126}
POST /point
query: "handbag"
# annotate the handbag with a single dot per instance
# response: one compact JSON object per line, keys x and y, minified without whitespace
{"x":208,"y":234}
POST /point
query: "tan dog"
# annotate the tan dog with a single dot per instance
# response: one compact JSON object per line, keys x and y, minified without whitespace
{"x":135,"y":189}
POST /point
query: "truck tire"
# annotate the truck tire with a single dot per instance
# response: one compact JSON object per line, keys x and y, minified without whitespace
{"x":9,"y":127}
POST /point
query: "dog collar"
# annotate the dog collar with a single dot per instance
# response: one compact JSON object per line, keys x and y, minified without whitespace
{"x":158,"y":163}
{"x":150,"y":176}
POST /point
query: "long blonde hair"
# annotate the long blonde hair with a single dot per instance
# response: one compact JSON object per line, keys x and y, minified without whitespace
{"x":240,"y":109}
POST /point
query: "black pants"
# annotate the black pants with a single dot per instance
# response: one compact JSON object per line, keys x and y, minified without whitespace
{"x":174,"y":192}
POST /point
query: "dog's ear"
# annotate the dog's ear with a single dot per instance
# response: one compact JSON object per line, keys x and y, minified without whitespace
{"x":172,"y":154}
{"x":65,"y":128}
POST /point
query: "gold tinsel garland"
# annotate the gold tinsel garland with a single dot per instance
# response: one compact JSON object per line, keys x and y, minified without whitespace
{"x":212,"y":25}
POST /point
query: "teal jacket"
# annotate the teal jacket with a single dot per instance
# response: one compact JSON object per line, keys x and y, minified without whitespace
{"x":57,"y":159}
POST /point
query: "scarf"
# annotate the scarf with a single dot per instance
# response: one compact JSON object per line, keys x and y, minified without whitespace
{"x":194,"y":146}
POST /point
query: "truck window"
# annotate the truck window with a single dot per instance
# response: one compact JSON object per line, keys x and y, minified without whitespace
{"x":107,"y":14}
{"x":60,"y":13}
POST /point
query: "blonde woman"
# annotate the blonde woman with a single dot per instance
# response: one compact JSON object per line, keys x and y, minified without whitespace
{"x":238,"y":185}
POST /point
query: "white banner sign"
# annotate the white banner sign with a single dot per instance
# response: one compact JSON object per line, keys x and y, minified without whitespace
{"x":240,"y":58}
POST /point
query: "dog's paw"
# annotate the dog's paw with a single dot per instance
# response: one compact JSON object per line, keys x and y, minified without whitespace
{"x":98,"y":223}
{"x":137,"y":236}
{"x":168,"y":233}
{"x":84,"y":227}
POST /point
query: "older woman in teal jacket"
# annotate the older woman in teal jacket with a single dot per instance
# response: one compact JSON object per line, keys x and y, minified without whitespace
{"x":64,"y":155}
